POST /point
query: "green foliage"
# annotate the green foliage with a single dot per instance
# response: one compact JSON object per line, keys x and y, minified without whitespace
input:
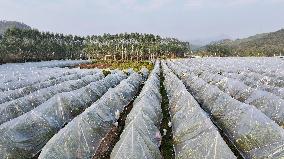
{"x":219,"y":50}
{"x":106,"y":72}
{"x":167,"y":143}
{"x":267,"y":44}
{"x":133,"y":46}
{"x":33,"y":45}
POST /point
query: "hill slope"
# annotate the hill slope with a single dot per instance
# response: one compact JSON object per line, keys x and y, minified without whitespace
{"x":4,"y":25}
{"x":266,"y":44}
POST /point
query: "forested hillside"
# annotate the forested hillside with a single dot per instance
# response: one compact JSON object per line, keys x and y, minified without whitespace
{"x":19,"y":45}
{"x":5,"y":25}
{"x":267,"y":44}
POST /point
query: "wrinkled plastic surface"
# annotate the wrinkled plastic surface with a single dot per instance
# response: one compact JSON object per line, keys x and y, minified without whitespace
{"x":14,"y":76}
{"x":260,"y":73}
{"x":24,"y":136}
{"x":194,"y":135}
{"x":29,"y":77}
{"x":82,"y":136}
{"x":15,"y":108}
{"x":260,"y":66}
{"x":258,"y":81}
{"x":73,"y":74}
{"x":268,"y":103}
{"x":139,"y":139}
{"x":252,"y":132}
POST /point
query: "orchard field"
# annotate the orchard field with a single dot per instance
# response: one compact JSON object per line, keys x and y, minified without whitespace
{"x":195,"y":108}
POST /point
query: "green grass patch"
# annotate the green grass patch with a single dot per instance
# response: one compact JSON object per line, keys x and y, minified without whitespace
{"x":123,"y":65}
{"x":166,"y":148}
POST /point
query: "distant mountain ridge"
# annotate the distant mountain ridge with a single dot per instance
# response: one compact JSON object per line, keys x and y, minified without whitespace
{"x":208,"y":40}
{"x":4,"y":25}
{"x":266,"y":44}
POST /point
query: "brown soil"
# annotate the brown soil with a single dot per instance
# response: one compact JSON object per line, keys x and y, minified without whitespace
{"x":112,"y":137}
{"x":97,"y":65}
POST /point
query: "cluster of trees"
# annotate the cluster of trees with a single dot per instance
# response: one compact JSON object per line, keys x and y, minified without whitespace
{"x":134,"y":46}
{"x":18,"y":45}
{"x":219,"y":49}
{"x":267,"y":44}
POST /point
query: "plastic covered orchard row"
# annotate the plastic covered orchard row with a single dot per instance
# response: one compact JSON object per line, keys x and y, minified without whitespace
{"x":15,"y":108}
{"x":252,"y":79}
{"x":24,"y":137}
{"x":268,"y":103}
{"x":61,"y":63}
{"x":16,"y":75}
{"x":265,"y":66}
{"x":29,"y":77}
{"x":256,"y":80}
{"x":141,"y":137}
{"x":194,"y":134}
{"x":20,"y":92}
{"x":262,"y":83}
{"x":82,"y":136}
{"x":43,"y":64}
{"x":252,"y":132}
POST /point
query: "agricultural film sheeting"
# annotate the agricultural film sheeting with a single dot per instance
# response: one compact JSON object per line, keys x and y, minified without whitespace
{"x":194,"y":134}
{"x":244,"y":72}
{"x":262,"y":83}
{"x":15,"y":108}
{"x":252,"y":132}
{"x":268,"y":103}
{"x":16,"y":75}
{"x":24,"y":137}
{"x":139,"y":138}
{"x":264,"y":66}
{"x":32,"y":77}
{"x":82,"y":136}
{"x":252,"y":79}
{"x":20,"y":92}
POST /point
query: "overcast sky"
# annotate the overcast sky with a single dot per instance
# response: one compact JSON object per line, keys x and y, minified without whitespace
{"x":184,"y":19}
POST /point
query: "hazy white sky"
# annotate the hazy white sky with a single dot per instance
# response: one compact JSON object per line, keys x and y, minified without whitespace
{"x":184,"y":19}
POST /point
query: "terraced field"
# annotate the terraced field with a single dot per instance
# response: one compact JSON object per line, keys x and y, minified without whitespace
{"x":187,"y":108}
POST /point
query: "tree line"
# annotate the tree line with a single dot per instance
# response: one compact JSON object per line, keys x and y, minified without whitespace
{"x":19,"y":45}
